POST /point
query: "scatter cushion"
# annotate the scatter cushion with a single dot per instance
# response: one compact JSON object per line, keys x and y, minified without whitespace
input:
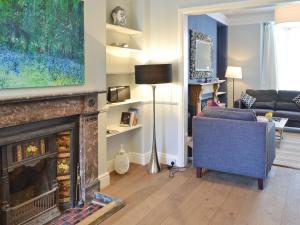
{"x":247,"y":100}
{"x":296,"y":100}
{"x":212,"y":103}
{"x":200,"y":114}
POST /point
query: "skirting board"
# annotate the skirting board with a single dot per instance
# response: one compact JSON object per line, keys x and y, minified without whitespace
{"x":143,"y":159}
{"x":104,"y":180}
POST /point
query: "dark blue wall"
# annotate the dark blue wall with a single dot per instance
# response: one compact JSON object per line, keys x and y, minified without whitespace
{"x":208,"y":26}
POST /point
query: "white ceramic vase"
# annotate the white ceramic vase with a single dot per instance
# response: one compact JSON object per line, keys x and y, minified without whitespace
{"x":122,"y":161}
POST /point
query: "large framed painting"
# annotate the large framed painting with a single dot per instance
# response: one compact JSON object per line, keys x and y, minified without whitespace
{"x":41,"y":43}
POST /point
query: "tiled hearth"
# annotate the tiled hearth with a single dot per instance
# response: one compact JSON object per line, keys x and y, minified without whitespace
{"x":48,"y":155}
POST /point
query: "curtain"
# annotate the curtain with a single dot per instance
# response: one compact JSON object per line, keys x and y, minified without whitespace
{"x":288,"y":50}
{"x":268,"y":58}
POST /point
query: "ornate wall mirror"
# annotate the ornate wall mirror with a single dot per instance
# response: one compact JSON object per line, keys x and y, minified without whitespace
{"x":201,"y":55}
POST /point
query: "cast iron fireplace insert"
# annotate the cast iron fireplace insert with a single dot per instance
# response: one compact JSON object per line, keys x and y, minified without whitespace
{"x":39,"y":170}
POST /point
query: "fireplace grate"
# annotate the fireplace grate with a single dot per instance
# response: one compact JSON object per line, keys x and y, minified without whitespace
{"x":34,"y":208}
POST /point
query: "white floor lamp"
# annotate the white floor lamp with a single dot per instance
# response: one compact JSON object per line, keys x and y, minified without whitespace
{"x":233,"y":72}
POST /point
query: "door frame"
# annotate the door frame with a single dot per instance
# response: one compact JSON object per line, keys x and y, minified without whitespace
{"x":183,"y":60}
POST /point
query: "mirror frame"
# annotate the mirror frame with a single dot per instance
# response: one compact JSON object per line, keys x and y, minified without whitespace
{"x":194,"y":36}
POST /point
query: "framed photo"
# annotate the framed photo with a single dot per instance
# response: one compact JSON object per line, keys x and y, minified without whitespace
{"x":126,"y":119}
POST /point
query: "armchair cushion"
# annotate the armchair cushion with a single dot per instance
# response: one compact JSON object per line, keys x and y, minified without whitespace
{"x":232,"y":114}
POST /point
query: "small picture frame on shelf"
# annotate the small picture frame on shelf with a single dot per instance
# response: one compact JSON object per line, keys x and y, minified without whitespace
{"x":126,"y":118}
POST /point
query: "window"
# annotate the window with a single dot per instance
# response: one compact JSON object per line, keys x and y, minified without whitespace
{"x":288,"y":58}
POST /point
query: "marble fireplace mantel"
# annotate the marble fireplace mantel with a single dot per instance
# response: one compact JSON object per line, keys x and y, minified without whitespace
{"x":22,"y":110}
{"x":9,"y":98}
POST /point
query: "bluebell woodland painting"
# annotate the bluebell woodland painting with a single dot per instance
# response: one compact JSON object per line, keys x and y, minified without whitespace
{"x":41,"y":43}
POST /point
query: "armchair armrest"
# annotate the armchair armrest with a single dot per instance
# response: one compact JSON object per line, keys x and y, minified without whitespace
{"x":271,"y":146}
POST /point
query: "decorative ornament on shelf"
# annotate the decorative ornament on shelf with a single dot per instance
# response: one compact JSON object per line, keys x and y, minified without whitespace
{"x":120,"y":45}
{"x":119,"y":16}
{"x":122,"y":161}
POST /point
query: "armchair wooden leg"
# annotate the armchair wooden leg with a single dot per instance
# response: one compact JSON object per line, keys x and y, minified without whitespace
{"x":260,"y":184}
{"x":199,"y":172}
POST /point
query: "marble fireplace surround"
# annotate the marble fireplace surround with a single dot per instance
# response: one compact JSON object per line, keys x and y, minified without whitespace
{"x":26,"y":110}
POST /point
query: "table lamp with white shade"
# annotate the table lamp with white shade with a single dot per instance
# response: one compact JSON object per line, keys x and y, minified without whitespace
{"x":234,"y":72}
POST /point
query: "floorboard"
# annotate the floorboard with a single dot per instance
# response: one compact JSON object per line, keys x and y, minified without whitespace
{"x":215,"y":199}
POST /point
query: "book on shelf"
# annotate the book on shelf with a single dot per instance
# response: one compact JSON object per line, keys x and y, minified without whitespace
{"x":135,"y":115}
{"x":130,"y":118}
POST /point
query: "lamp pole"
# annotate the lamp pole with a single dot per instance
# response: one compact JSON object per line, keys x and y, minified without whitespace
{"x":154,"y":166}
{"x":233,"y":92}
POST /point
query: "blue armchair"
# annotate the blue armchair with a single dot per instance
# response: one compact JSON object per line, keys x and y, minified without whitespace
{"x":239,"y":146}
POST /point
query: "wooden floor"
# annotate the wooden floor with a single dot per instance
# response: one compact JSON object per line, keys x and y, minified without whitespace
{"x":215,"y":199}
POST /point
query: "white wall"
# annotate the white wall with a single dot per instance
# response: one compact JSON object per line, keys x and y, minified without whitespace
{"x":165,"y":47}
{"x":244,"y":50}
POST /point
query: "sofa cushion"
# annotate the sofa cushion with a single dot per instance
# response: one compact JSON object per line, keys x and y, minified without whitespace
{"x":212,"y":103}
{"x":228,"y":114}
{"x":287,"y":114}
{"x":287,"y":96}
{"x":263,"y":95}
{"x":247,"y":100}
{"x":264,"y":105}
{"x":287,"y":106}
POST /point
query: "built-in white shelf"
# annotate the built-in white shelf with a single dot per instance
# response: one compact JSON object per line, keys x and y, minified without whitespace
{"x":126,"y":102}
{"x":115,"y":48}
{"x":123,"y":30}
{"x":123,"y":73}
{"x":122,"y":130}
{"x":223,"y":105}
{"x":221,"y":93}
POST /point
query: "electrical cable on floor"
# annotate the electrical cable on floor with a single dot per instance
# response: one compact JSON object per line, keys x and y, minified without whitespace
{"x":174,"y":169}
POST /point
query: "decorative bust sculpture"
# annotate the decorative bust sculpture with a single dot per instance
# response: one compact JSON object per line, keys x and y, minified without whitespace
{"x":119,"y":16}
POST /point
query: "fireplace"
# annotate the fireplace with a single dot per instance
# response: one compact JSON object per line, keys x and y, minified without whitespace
{"x":48,"y":156}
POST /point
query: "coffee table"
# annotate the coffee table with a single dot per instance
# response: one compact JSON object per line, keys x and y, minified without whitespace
{"x":279,"y":125}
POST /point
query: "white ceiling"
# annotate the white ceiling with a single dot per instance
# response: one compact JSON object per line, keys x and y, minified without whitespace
{"x":245,"y":16}
{"x":239,"y":12}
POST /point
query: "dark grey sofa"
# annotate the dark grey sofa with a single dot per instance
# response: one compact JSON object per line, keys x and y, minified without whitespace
{"x":280,"y":103}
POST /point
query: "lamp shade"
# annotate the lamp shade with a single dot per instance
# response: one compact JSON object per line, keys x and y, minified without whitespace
{"x":234,"y":72}
{"x":287,"y":14}
{"x":153,"y":74}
